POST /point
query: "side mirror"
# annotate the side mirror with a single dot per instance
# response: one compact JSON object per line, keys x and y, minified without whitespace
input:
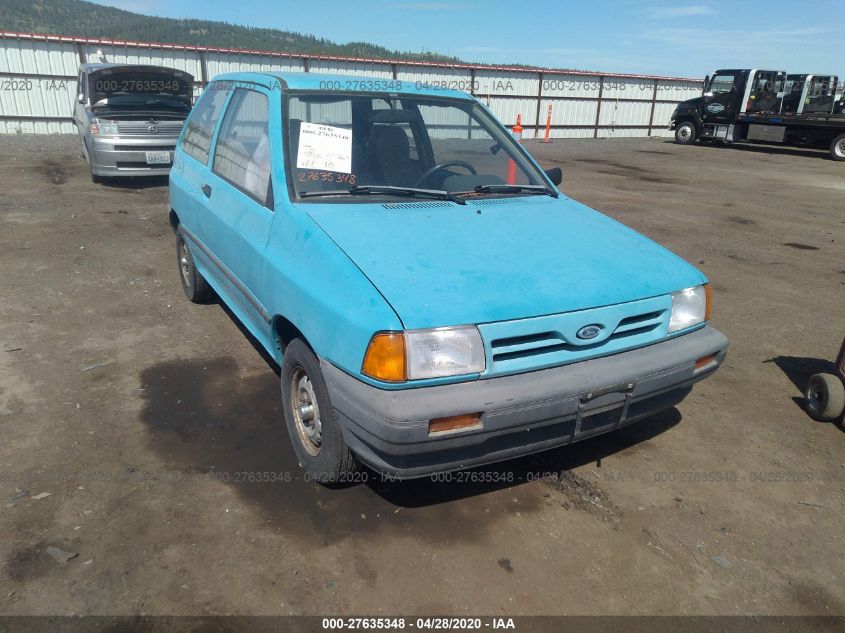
{"x":555,"y":174}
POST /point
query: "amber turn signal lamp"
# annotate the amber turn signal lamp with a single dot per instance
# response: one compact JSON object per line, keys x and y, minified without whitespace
{"x":709,"y":302}
{"x":385,"y":358}
{"x":704,"y":361}
{"x":454,"y":423}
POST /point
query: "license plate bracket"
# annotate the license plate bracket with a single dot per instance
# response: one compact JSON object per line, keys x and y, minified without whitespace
{"x":625,"y":390}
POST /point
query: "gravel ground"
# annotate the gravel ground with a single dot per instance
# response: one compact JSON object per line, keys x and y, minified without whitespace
{"x":135,"y":411}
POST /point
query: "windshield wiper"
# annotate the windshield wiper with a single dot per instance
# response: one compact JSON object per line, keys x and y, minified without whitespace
{"x":389,"y":190}
{"x":505,"y":188}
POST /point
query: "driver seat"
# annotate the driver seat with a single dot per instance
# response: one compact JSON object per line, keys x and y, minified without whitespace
{"x":388,"y":157}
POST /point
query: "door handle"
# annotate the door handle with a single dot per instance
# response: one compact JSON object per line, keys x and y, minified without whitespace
{"x":206,"y":189}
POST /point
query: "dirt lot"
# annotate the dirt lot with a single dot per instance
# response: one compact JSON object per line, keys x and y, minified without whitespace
{"x":136,"y":410}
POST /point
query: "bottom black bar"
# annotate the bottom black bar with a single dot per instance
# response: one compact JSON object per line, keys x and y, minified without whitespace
{"x":520,"y":624}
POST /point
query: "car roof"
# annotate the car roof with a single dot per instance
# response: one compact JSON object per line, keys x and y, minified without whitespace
{"x":322,"y":82}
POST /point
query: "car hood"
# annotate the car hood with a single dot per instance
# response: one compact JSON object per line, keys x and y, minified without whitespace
{"x":438,"y":263}
{"x":690,"y":104}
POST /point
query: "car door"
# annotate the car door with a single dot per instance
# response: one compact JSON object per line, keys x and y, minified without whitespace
{"x":191,"y":167}
{"x":722,"y":98}
{"x":239,"y":198}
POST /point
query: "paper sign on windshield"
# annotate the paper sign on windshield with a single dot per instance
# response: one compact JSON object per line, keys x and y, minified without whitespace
{"x":324,"y":147}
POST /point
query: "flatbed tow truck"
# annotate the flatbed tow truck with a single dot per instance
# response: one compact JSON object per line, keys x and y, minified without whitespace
{"x":765,"y":106}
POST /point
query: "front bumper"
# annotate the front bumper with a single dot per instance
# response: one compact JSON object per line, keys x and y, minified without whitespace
{"x":521,"y":414}
{"x":126,"y":156}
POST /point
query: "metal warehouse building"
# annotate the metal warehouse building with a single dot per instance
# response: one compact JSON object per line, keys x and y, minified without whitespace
{"x":38,"y":83}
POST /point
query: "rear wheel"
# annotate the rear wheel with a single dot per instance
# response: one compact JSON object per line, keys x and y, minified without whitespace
{"x":685,"y":133}
{"x":837,"y":148}
{"x":311,"y":419}
{"x":825,"y":395}
{"x":193,"y":283}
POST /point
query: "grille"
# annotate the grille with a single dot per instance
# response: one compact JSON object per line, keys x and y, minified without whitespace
{"x":125,"y":164}
{"x":552,"y":340}
{"x":416,"y":205}
{"x":548,"y":342}
{"x":497,"y":202}
{"x":144,"y":148}
{"x":169,"y":128}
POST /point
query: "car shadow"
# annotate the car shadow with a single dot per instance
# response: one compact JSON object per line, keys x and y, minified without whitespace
{"x":755,"y":148}
{"x":207,"y":417}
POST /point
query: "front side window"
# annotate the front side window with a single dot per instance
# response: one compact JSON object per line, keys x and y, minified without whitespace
{"x":722,"y":84}
{"x":242,"y":152}
{"x":340,"y":140}
{"x":200,"y":127}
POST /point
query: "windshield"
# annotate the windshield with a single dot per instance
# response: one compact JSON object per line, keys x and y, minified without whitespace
{"x":340,"y":141}
{"x":141,"y":90}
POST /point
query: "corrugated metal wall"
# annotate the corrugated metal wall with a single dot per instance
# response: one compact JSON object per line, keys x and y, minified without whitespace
{"x":38,"y":85}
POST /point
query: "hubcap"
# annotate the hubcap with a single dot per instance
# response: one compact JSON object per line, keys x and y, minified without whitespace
{"x":184,"y":263}
{"x":840,"y":148}
{"x":816,"y":398}
{"x":306,"y":413}
{"x":684,"y":133}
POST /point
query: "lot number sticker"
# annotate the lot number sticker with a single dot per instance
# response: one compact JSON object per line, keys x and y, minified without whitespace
{"x":324,"y":147}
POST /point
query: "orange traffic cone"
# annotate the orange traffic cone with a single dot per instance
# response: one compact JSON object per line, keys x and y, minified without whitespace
{"x":517,"y":134}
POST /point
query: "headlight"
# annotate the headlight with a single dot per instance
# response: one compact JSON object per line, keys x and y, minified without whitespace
{"x":690,"y":307}
{"x":103,"y":127}
{"x":420,"y":354}
{"x":448,"y":351}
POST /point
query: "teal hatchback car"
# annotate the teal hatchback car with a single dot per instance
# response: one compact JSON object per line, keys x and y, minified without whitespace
{"x":433,"y":300}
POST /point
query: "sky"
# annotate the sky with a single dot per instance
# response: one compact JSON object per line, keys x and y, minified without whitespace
{"x":680,"y":39}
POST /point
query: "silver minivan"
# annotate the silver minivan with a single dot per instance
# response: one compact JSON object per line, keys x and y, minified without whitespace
{"x":129,"y":117}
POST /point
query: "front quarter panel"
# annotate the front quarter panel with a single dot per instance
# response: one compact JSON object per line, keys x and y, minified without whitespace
{"x":312,"y":283}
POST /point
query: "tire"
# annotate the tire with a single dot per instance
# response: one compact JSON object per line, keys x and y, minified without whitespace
{"x":96,"y":179}
{"x":837,"y":148}
{"x":311,"y":419}
{"x":193,"y":283}
{"x":825,"y":396}
{"x":685,"y":133}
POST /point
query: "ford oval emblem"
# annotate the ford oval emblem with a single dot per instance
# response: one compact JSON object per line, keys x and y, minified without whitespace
{"x":589,"y":331}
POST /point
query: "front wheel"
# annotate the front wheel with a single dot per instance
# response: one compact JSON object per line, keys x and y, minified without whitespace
{"x":685,"y":133}
{"x":837,"y":148}
{"x":311,"y":419}
{"x":825,"y":395}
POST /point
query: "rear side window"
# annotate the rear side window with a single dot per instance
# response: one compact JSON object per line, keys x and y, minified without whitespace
{"x":203,"y":120}
{"x":242,"y":153}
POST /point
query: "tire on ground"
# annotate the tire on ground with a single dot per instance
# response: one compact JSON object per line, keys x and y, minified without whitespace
{"x":193,"y":283}
{"x":685,"y":133}
{"x":837,"y":148}
{"x":825,"y":396}
{"x":324,"y":455}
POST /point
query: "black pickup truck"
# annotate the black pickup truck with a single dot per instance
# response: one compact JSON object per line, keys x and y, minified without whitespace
{"x":765,"y":106}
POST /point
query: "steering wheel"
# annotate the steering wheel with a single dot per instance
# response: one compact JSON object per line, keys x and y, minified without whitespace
{"x":449,"y":163}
